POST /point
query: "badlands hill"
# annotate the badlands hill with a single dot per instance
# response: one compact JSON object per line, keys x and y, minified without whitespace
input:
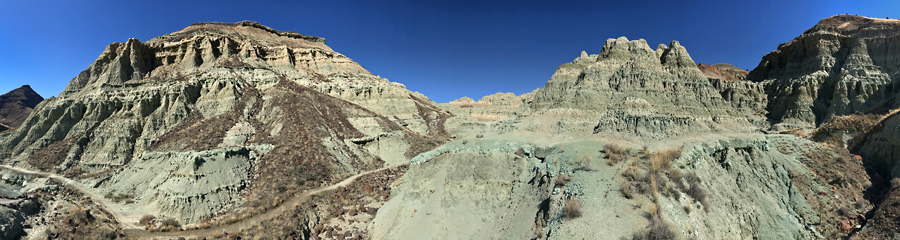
{"x":227,"y":130}
{"x":843,"y":64}
{"x":16,"y":105}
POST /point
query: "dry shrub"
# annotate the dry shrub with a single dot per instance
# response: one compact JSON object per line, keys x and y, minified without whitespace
{"x":653,"y":187}
{"x":171,"y":223}
{"x":653,"y":210}
{"x":798,"y":132}
{"x":657,"y":163}
{"x":676,"y":177}
{"x":658,"y":229}
{"x":633,"y":171}
{"x":572,"y":208}
{"x":843,"y":211}
{"x":615,"y":153}
{"x":562,"y":180}
{"x":662,"y":160}
{"x":860,"y":204}
{"x":627,"y":190}
{"x":696,"y":191}
{"x":147,"y":219}
{"x":585,"y":161}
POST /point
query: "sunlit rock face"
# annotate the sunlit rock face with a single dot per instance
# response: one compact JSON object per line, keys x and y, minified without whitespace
{"x":640,"y":91}
{"x":842,"y":65}
{"x":191,"y":122}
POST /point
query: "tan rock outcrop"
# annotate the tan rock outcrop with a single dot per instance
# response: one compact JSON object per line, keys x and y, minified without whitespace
{"x":722,"y":71}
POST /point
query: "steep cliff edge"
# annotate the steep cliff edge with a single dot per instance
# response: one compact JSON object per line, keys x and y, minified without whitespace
{"x":16,"y":105}
{"x":842,"y":65}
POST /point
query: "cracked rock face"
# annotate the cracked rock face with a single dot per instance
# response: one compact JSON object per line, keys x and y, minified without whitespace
{"x":842,"y":65}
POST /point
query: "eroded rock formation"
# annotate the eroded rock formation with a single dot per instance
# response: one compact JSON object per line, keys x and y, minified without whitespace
{"x":215,"y":112}
{"x":842,"y":65}
{"x":640,"y":91}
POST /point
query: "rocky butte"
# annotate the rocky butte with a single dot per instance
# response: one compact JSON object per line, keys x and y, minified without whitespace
{"x":226,"y":130}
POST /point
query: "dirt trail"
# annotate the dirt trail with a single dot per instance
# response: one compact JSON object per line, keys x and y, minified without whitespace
{"x":113,"y":209}
{"x":134,"y":231}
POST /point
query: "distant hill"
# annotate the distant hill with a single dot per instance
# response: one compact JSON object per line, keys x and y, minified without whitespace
{"x":16,"y":105}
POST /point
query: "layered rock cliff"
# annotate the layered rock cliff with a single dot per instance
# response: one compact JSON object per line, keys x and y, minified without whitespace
{"x":217,"y":115}
{"x":640,"y":91}
{"x":489,"y":108}
{"x":16,"y":105}
{"x":842,"y":65}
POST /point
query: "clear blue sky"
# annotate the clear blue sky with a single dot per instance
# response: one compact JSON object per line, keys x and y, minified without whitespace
{"x":444,"y":49}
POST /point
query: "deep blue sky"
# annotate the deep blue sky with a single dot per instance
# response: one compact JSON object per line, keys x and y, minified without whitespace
{"x":444,"y":49}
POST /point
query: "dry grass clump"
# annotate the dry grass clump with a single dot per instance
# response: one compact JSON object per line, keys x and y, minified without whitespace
{"x":572,"y":208}
{"x":147,"y":219}
{"x":843,"y":211}
{"x":627,"y":189}
{"x":615,"y":153}
{"x":797,"y":132}
{"x":562,"y":180}
{"x":696,"y":191}
{"x":658,"y":229}
{"x":171,"y":222}
{"x":676,"y":177}
{"x":117,"y":198}
{"x":662,"y":161}
{"x":585,"y":162}
{"x":647,"y":176}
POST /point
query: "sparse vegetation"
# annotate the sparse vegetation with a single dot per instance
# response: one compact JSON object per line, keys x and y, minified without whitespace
{"x":117,"y":198}
{"x":562,"y":180}
{"x":676,"y":177}
{"x":615,"y":153}
{"x":627,"y":189}
{"x":572,"y":208}
{"x":658,"y":229}
{"x":696,"y":191}
{"x":843,"y":211}
{"x":585,"y":162}
{"x":147,"y":219}
{"x":854,"y":126}
{"x":798,"y":132}
{"x":860,"y":204}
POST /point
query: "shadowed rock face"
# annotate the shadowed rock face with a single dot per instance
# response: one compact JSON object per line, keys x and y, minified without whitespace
{"x":842,"y":65}
{"x":16,"y":105}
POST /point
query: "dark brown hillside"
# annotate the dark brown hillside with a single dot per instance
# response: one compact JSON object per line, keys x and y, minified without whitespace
{"x":16,"y":105}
